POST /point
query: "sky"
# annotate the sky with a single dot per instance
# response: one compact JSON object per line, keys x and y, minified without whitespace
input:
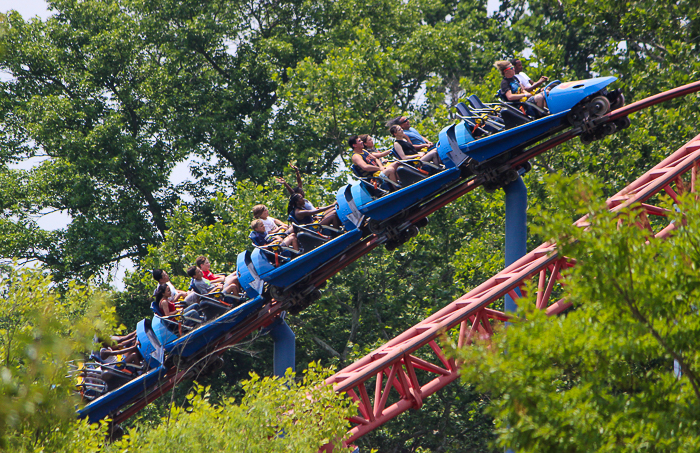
{"x":27,"y":8}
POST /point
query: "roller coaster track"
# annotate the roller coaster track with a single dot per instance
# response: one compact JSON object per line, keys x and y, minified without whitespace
{"x":391,"y":370}
{"x":395,"y":356}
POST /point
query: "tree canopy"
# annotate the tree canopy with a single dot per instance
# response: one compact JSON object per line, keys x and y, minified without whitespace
{"x":601,"y":378}
{"x":108,"y":97}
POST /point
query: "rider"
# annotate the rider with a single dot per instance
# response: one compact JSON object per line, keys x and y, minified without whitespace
{"x":272,"y":225}
{"x":511,"y":89}
{"x":369,"y":164}
{"x":523,"y":78}
{"x":260,"y":237}
{"x":165,"y":301}
{"x":303,"y":216}
{"x":404,"y":148}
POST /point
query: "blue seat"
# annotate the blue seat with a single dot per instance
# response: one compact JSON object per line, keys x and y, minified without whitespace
{"x":462,"y":109}
{"x":156,"y":309}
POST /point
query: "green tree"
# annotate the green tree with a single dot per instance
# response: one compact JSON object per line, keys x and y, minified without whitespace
{"x":112,"y":95}
{"x":40,"y":331}
{"x":600,"y":378}
{"x":275,"y":415}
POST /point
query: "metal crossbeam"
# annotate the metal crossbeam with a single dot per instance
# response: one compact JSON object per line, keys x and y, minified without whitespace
{"x":271,"y":311}
{"x":418,"y":348}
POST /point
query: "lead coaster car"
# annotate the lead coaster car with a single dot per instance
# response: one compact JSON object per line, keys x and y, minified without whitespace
{"x":580,"y":103}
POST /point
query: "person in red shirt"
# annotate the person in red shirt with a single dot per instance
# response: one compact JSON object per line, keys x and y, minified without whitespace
{"x":204,"y":265}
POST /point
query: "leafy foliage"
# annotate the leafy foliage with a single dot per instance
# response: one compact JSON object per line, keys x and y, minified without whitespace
{"x":600,"y":378}
{"x":40,"y":331}
{"x":111,"y":96}
{"x":275,"y":415}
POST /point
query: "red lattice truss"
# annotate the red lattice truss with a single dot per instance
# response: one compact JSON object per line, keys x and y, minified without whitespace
{"x":396,"y":359}
{"x":399,"y":375}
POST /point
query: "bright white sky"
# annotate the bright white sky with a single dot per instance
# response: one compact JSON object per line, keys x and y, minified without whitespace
{"x":27,"y":8}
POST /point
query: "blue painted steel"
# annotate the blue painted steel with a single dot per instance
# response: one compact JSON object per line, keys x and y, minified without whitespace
{"x":563,"y":97}
{"x":248,"y":276}
{"x":347,"y":210}
{"x":284,"y":347}
{"x":164,"y":335}
{"x":493,"y":145}
{"x":516,"y":227}
{"x":448,"y":145}
{"x":192,"y":343}
{"x":456,"y":144}
{"x":516,"y":234}
{"x":110,"y":402}
{"x":301,"y":266}
{"x":389,"y":205}
{"x":149,"y":345}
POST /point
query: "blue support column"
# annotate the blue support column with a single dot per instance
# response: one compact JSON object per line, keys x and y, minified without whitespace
{"x":285,"y":347}
{"x":516,"y":228}
{"x":516,"y":233}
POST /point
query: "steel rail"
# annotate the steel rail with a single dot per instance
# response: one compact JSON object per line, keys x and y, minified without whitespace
{"x":392,"y":367}
{"x":271,"y":311}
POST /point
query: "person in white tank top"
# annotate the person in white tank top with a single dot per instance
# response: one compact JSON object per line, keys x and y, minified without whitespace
{"x":272,"y":225}
{"x":269,"y":224}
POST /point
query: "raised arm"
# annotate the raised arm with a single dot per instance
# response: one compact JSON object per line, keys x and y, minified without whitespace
{"x":296,"y":170}
{"x":286,"y":185}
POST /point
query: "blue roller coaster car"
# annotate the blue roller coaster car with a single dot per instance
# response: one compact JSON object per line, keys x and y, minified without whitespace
{"x":482,"y":145}
{"x":113,"y":387}
{"x":286,"y":279}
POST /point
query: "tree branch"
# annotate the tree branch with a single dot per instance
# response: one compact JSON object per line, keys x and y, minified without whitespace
{"x":541,"y":163}
{"x":637,"y":314}
{"x":326,"y":347}
{"x":153,"y":205}
{"x":133,"y":117}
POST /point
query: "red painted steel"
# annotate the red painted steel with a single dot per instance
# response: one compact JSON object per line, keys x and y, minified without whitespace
{"x":391,"y":369}
{"x":268,"y":314}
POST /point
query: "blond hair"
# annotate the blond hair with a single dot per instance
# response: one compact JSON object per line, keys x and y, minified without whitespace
{"x":502,"y":65}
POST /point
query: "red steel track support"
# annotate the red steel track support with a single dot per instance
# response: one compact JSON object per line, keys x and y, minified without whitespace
{"x":391,"y":369}
{"x":479,"y":324}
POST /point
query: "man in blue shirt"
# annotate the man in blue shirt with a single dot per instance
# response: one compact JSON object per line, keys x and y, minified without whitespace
{"x":417,"y":140}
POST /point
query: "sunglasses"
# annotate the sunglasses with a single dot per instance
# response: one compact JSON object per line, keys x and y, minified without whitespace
{"x":404,"y":121}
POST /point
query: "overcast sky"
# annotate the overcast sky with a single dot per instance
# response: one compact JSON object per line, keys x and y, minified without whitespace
{"x":27,"y":8}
